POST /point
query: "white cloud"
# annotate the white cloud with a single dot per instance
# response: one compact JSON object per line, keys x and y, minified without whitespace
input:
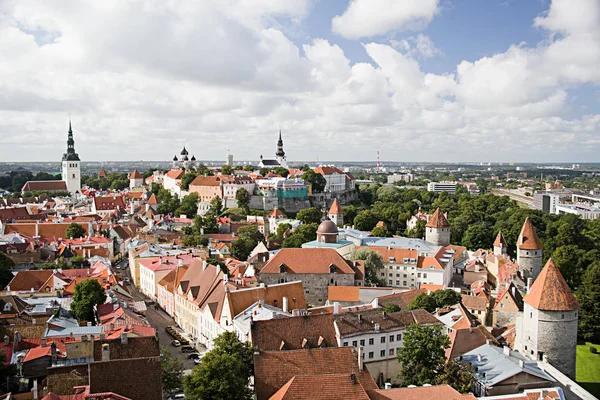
{"x":157,"y":79}
{"x":368,"y":18}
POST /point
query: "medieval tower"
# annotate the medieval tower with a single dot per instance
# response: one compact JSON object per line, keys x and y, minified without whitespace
{"x":437,"y":230}
{"x":71,"y":168}
{"x":336,"y":214}
{"x":548,"y":329}
{"x":529,"y":252}
{"x":500,"y":247}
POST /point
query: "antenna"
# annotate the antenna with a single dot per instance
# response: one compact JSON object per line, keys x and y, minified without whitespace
{"x":378,"y":162}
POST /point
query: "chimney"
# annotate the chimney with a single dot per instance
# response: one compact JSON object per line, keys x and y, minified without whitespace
{"x":361,"y":360}
{"x":387,"y":385}
{"x":377,"y":328}
{"x":521,"y":363}
{"x":529,"y":282}
{"x":204,"y":263}
{"x":384,"y":315}
{"x":285,"y":304}
{"x":375,"y":302}
{"x":53,"y":351}
{"x":105,"y":352}
{"x":506,"y":351}
{"x":543,"y":394}
{"x":43,"y":342}
{"x":179,"y":262}
{"x":479,"y":358}
{"x":359,"y":317}
{"x":102,"y":336}
{"x":353,"y":378}
{"x":123,"y":337}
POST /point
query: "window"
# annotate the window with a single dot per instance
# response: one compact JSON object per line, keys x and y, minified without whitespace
{"x":424,"y":274}
{"x":382,"y":353}
{"x":418,"y":275}
{"x":404,"y":283}
{"x":371,"y":354}
{"x":562,"y":316}
{"x":383,"y":339}
{"x":355,"y":343}
{"x":398,"y":337}
{"x":391,"y":274}
{"x":345,"y":344}
{"x":404,"y":276}
{"x":390,"y":282}
{"x":397,"y":275}
{"x":391,"y":338}
{"x":383,"y":274}
{"x":73,"y":176}
{"x":391,"y":352}
{"x":362,"y":342}
{"x":397,"y":283}
{"x":371,"y":341}
{"x":501,"y":305}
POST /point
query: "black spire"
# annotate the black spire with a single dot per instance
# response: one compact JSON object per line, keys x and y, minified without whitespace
{"x":280,"y":152}
{"x":70,"y":155}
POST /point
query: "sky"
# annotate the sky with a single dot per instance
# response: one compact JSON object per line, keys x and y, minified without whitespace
{"x":416,"y":80}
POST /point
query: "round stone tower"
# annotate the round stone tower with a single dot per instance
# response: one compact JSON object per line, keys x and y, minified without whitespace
{"x":529,"y":252}
{"x":549,"y":325}
{"x":327,"y":232}
{"x":437,"y":229}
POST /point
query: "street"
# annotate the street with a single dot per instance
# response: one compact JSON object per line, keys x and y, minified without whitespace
{"x":158,"y":319}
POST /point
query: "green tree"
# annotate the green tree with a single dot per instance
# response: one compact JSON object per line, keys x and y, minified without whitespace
{"x":418,"y":231}
{"x":391,"y":308}
{"x":309,"y":215}
{"x":423,"y":301}
{"x":302,"y":234}
{"x":373,"y":266}
{"x":88,"y":294}
{"x":74,"y":230}
{"x":588,"y":296}
{"x":242,"y":197}
{"x":246,"y":242}
{"x":281,"y":171}
{"x":567,"y":259}
{"x":226,"y":169}
{"x":365,"y":221}
{"x":6,"y":266}
{"x":189,"y":206}
{"x":282,"y":229}
{"x":479,"y":235}
{"x":264,"y":171}
{"x":381,"y":231}
{"x":316,"y":180}
{"x":172,"y":372}
{"x":423,"y":354}
{"x":249,"y":168}
{"x":223,"y":373}
{"x":188,"y":178}
{"x":437,"y":299}
{"x":456,"y":374}
{"x":195,"y":240}
{"x":216,"y":205}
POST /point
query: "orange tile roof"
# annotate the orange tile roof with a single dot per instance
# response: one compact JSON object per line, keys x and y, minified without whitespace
{"x":268,"y":335}
{"x":107,"y":203}
{"x":26,"y":280}
{"x":336,"y":207}
{"x":202,"y":180}
{"x":402,"y":300}
{"x":528,"y":239}
{"x":438,"y":220}
{"x":431,"y":287}
{"x":44,"y":229}
{"x":307,"y":261}
{"x":474,"y":302}
{"x":387,"y":253}
{"x":136,"y":175}
{"x":464,"y":340}
{"x":273,"y":295}
{"x":550,"y":291}
{"x":102,"y":173}
{"x":328,"y":171}
{"x":321,"y":387}
{"x":500,"y":241}
{"x":153,"y":200}
{"x":175,"y":174}
{"x":171,"y":280}
{"x":441,"y":392}
{"x":44,"y":185}
{"x":276,"y":213}
{"x":343,"y":293}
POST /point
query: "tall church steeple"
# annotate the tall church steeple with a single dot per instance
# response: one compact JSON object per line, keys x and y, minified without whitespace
{"x":70,"y":155}
{"x":71,"y":170}
{"x":280,"y":152}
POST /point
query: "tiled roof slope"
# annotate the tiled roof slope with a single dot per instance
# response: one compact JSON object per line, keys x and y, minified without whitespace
{"x":273,"y":369}
{"x":336,"y":207}
{"x":348,"y":324}
{"x":26,"y":280}
{"x":269,"y":334}
{"x":550,"y":291}
{"x":528,"y":239}
{"x":117,"y":376}
{"x":438,"y":220}
{"x":307,"y":261}
{"x":321,"y":387}
{"x":239,"y":300}
{"x":135,"y":175}
{"x":402,"y":300}
{"x":441,"y":392}
{"x":500,"y":241}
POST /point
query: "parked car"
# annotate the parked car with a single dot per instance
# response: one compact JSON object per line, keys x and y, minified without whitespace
{"x":176,"y":343}
{"x":197,"y":360}
{"x":178,"y":396}
{"x":187,"y":349}
{"x":193,"y":355}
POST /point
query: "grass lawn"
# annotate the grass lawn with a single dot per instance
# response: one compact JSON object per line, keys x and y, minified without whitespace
{"x":588,"y":368}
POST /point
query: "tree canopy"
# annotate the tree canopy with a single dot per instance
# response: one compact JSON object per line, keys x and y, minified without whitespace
{"x":588,"y":296}
{"x":423,"y":354}
{"x":316,"y":180}
{"x":242,"y":197}
{"x":309,"y":215}
{"x":373,"y":266}
{"x":301,"y":235}
{"x":88,"y":294}
{"x":74,"y":230}
{"x":6,"y":266}
{"x":246,"y":242}
{"x":223,"y":373}
{"x":437,"y":299}
{"x":188,"y":206}
{"x":172,"y":372}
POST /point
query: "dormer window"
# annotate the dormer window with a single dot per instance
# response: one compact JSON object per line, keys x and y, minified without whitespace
{"x":8,"y":307}
{"x":332,"y":269}
{"x":282,"y":268}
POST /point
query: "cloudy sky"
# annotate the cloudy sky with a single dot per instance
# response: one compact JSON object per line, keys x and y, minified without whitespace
{"x":418,"y":80}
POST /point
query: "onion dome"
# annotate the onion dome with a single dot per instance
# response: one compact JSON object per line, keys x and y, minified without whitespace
{"x":175,"y":158}
{"x":193,"y":158}
{"x":184,"y":152}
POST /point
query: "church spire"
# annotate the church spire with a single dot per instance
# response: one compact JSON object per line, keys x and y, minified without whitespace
{"x":70,"y":130}
{"x":280,"y":152}
{"x":70,"y":155}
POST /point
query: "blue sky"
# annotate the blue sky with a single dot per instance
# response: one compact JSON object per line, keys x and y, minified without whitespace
{"x":495,"y":80}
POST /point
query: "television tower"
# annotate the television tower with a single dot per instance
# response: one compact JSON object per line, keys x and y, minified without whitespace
{"x":378,"y":162}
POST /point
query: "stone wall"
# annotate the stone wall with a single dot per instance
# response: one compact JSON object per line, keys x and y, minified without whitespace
{"x":438,"y":236}
{"x":530,"y":262}
{"x":503,"y":318}
{"x":315,"y":285}
{"x":269,"y":203}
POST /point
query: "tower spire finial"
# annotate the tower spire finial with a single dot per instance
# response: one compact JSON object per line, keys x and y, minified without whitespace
{"x":70,"y":130}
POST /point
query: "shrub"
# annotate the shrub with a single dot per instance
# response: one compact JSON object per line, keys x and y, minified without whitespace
{"x":593,"y":350}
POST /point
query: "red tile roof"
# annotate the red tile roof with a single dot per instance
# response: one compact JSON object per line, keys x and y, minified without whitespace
{"x":402,"y":300}
{"x":153,"y":200}
{"x":202,"y":180}
{"x":273,"y":295}
{"x":438,"y":220}
{"x":102,"y":173}
{"x":276,"y":213}
{"x":44,"y":185}
{"x":49,"y":230}
{"x":348,"y":324}
{"x":273,"y":369}
{"x":321,"y":387}
{"x":26,"y":280}
{"x":528,"y":239}
{"x":441,"y":392}
{"x":474,"y":302}
{"x":328,"y":171}
{"x":500,"y":241}
{"x":550,"y":291}
{"x":109,"y":203}
{"x":175,"y":174}
{"x":336,"y":207}
{"x":307,"y":261}
{"x":136,"y":175}
{"x":289,"y":333}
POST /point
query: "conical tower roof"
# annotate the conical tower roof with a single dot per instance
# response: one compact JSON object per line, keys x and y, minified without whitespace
{"x":135,"y":175}
{"x":438,"y":220}
{"x":551,"y":292}
{"x":500,"y":241}
{"x":336,"y":207}
{"x":528,"y":239}
{"x":153,"y":200}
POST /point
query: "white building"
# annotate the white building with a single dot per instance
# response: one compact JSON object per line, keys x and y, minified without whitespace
{"x":438,"y":187}
{"x":172,"y":182}
{"x":337,"y":181}
{"x":71,"y":169}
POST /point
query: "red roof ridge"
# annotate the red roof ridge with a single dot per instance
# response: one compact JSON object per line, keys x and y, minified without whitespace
{"x":135,"y":175}
{"x":551,"y":292}
{"x":528,"y":239}
{"x":438,"y":220}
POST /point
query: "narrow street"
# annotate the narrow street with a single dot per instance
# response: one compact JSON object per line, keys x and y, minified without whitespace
{"x":158,"y":319}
